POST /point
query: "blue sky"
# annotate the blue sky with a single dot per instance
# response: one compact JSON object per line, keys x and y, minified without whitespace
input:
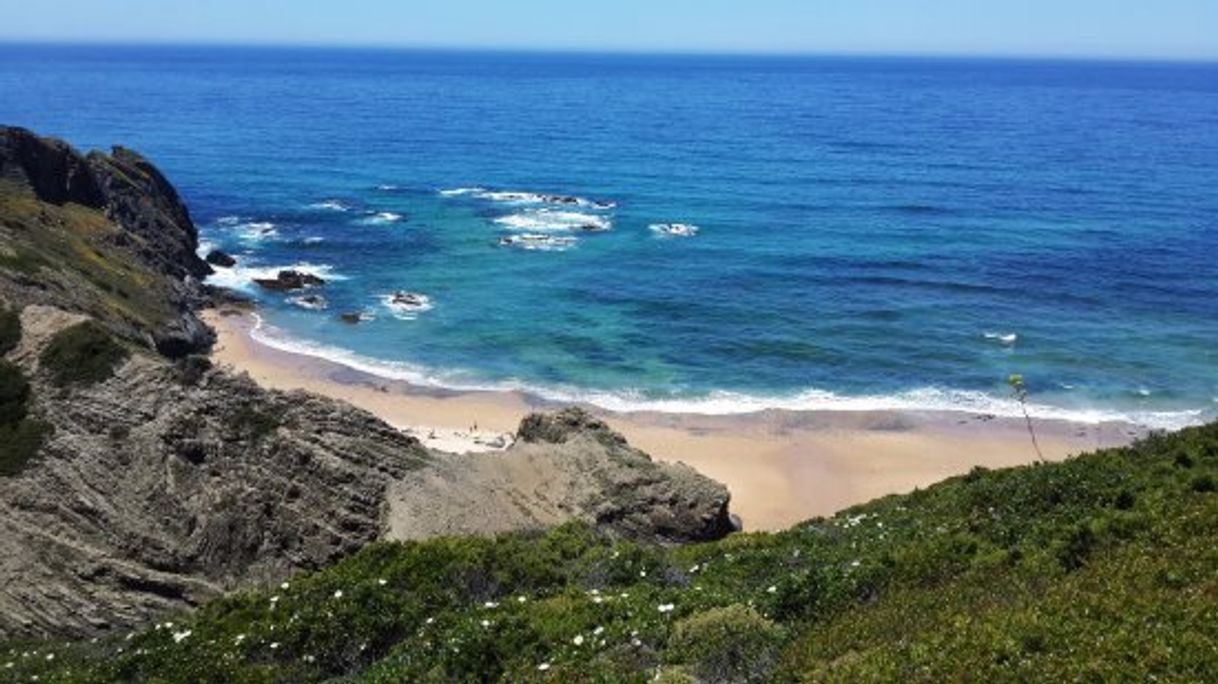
{"x":1115,"y":28}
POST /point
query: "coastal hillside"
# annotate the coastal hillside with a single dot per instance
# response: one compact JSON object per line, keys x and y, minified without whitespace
{"x":1101,"y":568}
{"x":137,"y":480}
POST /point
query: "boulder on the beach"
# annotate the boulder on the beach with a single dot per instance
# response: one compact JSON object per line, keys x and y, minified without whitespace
{"x":220,"y":258}
{"x":290,"y":280}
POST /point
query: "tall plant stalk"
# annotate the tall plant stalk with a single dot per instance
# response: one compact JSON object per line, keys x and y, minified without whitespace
{"x":1021,"y":395}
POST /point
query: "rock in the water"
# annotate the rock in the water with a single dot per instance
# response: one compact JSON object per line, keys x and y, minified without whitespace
{"x":351,"y":317}
{"x":221,"y":258}
{"x":290,"y":280}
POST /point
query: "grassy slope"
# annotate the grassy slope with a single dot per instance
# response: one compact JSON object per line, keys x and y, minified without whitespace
{"x":75,"y":250}
{"x":1101,"y":568}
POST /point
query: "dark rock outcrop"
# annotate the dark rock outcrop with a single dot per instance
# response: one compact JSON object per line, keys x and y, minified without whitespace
{"x":130,"y":263}
{"x":566,"y":465}
{"x":289,"y":280}
{"x":218,"y":257}
{"x":557,"y":428}
{"x":124,"y":185}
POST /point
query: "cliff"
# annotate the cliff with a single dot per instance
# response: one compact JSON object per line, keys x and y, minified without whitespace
{"x":136,"y":480}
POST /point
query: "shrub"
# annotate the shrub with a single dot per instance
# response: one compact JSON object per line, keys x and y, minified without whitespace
{"x":21,"y":441}
{"x":14,"y":393}
{"x":674,"y":675}
{"x":1204,"y":484}
{"x":191,"y":369}
{"x":20,"y":437}
{"x":10,"y":330}
{"x":83,"y":354}
{"x":730,"y":644}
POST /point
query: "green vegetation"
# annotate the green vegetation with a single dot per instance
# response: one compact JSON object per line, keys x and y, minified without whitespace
{"x":82,"y":354}
{"x":20,"y":436}
{"x":10,"y":329}
{"x":76,"y":249}
{"x":1101,"y":568}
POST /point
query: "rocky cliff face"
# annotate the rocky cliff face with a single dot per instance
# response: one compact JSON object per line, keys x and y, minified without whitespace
{"x":156,"y":482}
{"x":102,"y":234}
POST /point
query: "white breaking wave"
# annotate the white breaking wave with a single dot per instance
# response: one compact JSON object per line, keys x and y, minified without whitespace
{"x":242,"y":277}
{"x":312,"y":302}
{"x":1004,"y":338}
{"x":457,"y":192}
{"x":331,"y":204}
{"x":674,"y":229}
{"x":228,"y":220}
{"x":256,"y":230}
{"x":545,"y":220}
{"x":523,"y":197}
{"x":406,"y":306}
{"x":539,"y":242}
{"x":382,"y":218}
{"x":386,"y":187}
{"x":928,"y":399}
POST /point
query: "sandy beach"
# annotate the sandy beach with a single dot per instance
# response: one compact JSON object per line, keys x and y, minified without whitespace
{"x":782,"y":467}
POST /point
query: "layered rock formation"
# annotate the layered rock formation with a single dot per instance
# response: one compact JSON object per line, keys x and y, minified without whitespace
{"x":563,"y":466}
{"x":161,"y":482}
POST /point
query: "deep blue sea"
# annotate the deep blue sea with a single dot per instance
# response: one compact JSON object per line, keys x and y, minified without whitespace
{"x":870,"y":232}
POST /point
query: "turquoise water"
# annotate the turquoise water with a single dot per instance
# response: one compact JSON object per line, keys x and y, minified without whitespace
{"x":871,"y":232}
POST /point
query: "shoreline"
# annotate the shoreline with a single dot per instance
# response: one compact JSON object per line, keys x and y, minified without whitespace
{"x":781,"y":466}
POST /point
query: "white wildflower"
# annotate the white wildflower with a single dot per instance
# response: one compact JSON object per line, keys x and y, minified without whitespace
{"x":490,"y":604}
{"x":695,"y":569}
{"x":642,"y":573}
{"x":543,"y":667}
{"x":521,"y":599}
{"x":285,"y":586}
{"x":598,"y":631}
{"x":598,"y":599}
{"x":773,"y":589}
{"x":50,"y":656}
{"x":578,"y":640}
{"x":486,"y":623}
{"x":666,"y":607}
{"x":338,"y":593}
{"x":274,"y":645}
{"x":382,"y":582}
{"x":179,"y":636}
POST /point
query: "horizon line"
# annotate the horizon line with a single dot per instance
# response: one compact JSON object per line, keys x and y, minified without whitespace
{"x":608,"y":51}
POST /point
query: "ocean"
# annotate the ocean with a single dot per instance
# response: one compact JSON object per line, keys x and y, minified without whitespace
{"x":695,"y":233}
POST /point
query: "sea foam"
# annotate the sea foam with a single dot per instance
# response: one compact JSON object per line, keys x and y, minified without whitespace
{"x":545,"y":220}
{"x":926,"y":399}
{"x":242,"y":277}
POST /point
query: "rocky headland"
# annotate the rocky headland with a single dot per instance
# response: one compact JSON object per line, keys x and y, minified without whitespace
{"x":137,"y":479}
